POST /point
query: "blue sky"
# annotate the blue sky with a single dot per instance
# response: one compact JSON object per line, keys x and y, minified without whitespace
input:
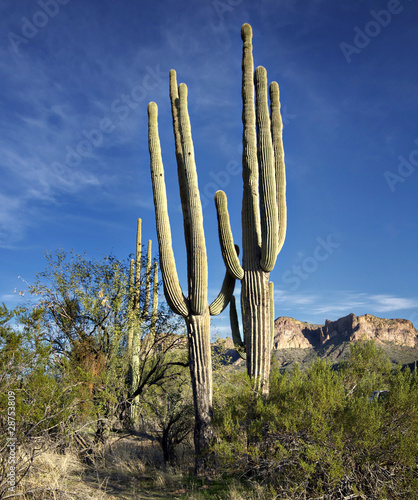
{"x":76,"y":78}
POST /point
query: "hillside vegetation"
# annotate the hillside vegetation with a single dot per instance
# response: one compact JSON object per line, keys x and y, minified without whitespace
{"x":317,"y":436}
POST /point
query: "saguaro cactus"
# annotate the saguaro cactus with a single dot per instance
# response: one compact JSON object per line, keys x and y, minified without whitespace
{"x":235,"y":330}
{"x":137,"y":313}
{"x":194,"y":308}
{"x":263,"y":212}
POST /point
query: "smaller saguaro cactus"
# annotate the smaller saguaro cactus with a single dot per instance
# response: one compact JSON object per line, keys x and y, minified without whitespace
{"x":263,"y":213}
{"x":194,"y":308}
{"x":138,"y":313}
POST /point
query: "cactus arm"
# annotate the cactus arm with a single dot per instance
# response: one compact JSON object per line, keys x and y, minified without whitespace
{"x":224,"y":296}
{"x":277,"y":137}
{"x":271,"y":297}
{"x":172,"y":289}
{"x":137,"y":292}
{"x":236,"y":336}
{"x":134,"y":322}
{"x":268,"y":203}
{"x":174,"y":99}
{"x":131,"y":284}
{"x":251,"y":229}
{"x":153,"y":325}
{"x":147,"y":282}
{"x":226,"y":239}
{"x":198,"y":273}
{"x":131,"y":305}
{"x":233,"y":316}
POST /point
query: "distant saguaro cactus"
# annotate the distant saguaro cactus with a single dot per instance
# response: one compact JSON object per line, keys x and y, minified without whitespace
{"x":138,"y":313}
{"x":194,"y":308}
{"x":263,"y":212}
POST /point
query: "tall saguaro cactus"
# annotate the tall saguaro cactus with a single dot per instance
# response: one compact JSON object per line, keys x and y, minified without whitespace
{"x":194,"y":308}
{"x":138,"y":313}
{"x":263,"y":212}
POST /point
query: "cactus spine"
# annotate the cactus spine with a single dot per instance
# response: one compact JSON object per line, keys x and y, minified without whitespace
{"x":194,"y":308}
{"x":263,"y":212}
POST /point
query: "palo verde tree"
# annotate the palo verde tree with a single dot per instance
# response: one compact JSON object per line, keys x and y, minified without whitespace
{"x":85,"y":316}
{"x":194,"y":308}
{"x":84,"y":303}
{"x":263,"y":213}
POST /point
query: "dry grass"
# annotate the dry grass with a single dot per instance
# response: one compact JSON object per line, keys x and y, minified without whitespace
{"x":126,"y":469}
{"x":55,"y":476}
{"x":231,"y":491}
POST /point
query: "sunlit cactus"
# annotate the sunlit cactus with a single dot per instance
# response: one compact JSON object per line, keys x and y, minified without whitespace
{"x":194,"y":308}
{"x":235,"y":330}
{"x":263,"y":213}
{"x":138,"y":313}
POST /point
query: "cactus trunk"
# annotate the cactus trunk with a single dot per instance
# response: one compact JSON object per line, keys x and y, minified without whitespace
{"x":256,"y":325}
{"x":198,"y":332}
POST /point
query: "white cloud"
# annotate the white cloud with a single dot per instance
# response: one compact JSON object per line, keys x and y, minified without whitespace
{"x":384,"y":303}
{"x":337,"y":304}
{"x":289,"y":300}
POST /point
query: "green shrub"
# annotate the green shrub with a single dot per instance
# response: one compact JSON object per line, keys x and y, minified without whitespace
{"x":319,"y":434}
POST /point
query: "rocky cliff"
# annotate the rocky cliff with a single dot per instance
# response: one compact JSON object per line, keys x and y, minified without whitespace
{"x":290,"y":333}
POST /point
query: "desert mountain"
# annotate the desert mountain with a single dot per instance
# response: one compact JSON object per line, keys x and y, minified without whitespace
{"x":291,"y":333}
{"x":296,"y":341}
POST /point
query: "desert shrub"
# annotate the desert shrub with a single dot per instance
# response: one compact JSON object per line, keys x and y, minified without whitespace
{"x":319,"y":434}
{"x":168,"y":415}
{"x":37,"y":401}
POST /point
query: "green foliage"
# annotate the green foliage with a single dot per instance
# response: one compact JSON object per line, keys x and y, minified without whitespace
{"x":75,"y":333}
{"x":318,"y":433}
{"x":37,"y":400}
{"x":27,"y":368}
{"x":168,"y":410}
{"x":82,"y":304}
{"x":82,"y":298}
{"x":64,"y":359}
{"x":368,"y":368}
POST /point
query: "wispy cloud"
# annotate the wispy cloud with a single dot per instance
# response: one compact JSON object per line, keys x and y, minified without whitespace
{"x":289,"y":299}
{"x":49,"y":105}
{"x":384,"y":303}
{"x":322,"y":306}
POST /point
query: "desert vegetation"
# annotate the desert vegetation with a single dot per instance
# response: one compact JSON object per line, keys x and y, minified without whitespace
{"x":316,"y":435}
{"x":107,"y":393}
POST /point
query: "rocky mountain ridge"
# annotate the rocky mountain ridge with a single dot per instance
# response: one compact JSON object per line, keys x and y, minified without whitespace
{"x":298,"y":342}
{"x":291,"y":333}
